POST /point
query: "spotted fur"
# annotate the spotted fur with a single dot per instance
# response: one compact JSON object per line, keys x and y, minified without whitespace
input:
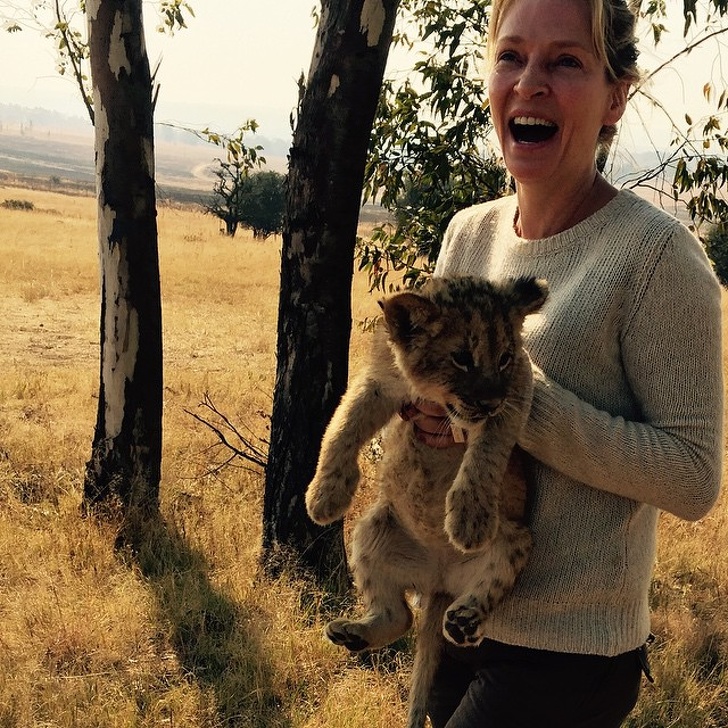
{"x":447,"y":525}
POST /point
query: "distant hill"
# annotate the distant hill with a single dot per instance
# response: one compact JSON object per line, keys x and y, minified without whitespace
{"x":28,"y":119}
{"x":43,"y":144}
{"x":40,"y":144}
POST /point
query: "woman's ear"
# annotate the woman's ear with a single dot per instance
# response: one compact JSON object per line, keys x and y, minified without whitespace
{"x":617,"y":102}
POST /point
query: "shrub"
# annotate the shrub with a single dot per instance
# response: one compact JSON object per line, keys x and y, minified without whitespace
{"x":262,"y":203}
{"x":256,"y":201}
{"x":716,"y":246}
{"x":18,"y":205}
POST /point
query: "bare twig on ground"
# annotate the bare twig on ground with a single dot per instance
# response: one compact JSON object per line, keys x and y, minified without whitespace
{"x":231,"y":438}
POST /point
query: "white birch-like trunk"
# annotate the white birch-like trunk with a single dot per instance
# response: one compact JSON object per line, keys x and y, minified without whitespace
{"x":126,"y":450}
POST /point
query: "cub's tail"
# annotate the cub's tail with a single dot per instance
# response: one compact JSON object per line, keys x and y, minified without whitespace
{"x":427,"y":656}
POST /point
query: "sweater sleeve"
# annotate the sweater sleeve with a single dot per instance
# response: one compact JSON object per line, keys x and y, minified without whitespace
{"x":672,"y":353}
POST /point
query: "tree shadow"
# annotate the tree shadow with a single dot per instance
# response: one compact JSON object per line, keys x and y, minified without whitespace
{"x":208,"y":631}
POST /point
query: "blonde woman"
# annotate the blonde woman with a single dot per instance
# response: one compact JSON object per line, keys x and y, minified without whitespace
{"x":627,"y":408}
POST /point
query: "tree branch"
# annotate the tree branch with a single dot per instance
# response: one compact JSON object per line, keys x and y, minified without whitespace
{"x":244,"y":449}
{"x":74,"y":53}
{"x":682,"y":52}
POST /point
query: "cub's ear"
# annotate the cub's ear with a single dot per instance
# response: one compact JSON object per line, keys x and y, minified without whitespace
{"x":529,"y":294}
{"x":406,"y":314}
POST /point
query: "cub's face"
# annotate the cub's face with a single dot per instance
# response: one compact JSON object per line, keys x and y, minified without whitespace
{"x":458,"y":341}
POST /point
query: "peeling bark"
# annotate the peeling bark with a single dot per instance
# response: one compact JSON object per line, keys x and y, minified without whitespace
{"x":336,"y":113}
{"x":125,"y":463}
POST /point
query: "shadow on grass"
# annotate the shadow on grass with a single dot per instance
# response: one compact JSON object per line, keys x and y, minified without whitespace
{"x":208,"y":633}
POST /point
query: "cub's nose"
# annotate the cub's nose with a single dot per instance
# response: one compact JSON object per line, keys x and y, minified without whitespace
{"x":489,"y":407}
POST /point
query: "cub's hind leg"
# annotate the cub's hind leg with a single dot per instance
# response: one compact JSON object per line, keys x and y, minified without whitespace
{"x":386,"y":563}
{"x":486,"y":582}
{"x":382,"y":624}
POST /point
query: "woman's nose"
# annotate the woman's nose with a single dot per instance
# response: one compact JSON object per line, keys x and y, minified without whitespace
{"x":532,"y":81}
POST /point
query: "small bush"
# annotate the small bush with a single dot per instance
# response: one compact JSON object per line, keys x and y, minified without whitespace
{"x":18,"y":205}
{"x":716,"y":246}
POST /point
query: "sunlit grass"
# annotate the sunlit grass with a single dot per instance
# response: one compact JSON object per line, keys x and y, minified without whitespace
{"x":185,"y":633}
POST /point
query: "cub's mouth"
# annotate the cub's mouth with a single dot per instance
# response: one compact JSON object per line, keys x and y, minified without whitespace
{"x":459,"y":417}
{"x":531,"y":130}
{"x":474,"y":412}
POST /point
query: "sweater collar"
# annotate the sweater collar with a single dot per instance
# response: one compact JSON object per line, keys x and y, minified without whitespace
{"x":585,"y":230}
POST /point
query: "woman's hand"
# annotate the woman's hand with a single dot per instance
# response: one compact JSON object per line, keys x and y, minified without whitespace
{"x":431,"y":424}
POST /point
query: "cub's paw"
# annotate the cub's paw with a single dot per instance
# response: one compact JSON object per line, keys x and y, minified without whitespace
{"x":470,"y":525}
{"x":347,"y":634}
{"x":329,"y":495}
{"x":463,"y":623}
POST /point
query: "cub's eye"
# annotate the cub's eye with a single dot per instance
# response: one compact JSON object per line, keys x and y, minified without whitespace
{"x":505,"y":360}
{"x":463,"y":360}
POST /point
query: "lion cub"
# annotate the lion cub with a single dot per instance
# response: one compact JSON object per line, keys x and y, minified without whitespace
{"x":445,"y":526}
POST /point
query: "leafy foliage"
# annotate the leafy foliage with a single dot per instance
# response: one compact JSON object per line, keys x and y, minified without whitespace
{"x":716,"y":246}
{"x":429,"y":154}
{"x":172,"y":12}
{"x":262,"y":203}
{"x":697,"y":160}
{"x":703,"y":177}
{"x":231,"y":172}
{"x":71,"y":46}
{"x":254,"y":201}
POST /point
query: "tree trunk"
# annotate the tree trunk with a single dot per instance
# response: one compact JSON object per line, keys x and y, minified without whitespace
{"x":335,"y":117}
{"x":124,"y":469}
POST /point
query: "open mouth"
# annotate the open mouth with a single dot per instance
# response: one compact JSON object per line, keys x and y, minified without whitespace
{"x":530,"y":130}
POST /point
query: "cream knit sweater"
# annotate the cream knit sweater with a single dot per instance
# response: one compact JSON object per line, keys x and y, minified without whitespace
{"x":627,"y":410}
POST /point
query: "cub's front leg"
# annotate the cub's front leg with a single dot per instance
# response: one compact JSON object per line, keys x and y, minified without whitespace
{"x":472,"y":503}
{"x":365,"y":408}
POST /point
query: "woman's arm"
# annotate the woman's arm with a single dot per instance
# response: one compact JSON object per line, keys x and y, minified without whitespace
{"x":672,"y":353}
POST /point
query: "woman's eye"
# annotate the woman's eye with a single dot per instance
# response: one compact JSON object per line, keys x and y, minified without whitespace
{"x":463,"y":360}
{"x":569,"y":62}
{"x":507,"y":57}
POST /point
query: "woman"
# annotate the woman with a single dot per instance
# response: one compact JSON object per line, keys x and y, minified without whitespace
{"x":627,"y":408}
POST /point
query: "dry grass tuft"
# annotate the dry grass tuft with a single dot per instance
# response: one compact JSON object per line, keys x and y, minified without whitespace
{"x":185,"y":634}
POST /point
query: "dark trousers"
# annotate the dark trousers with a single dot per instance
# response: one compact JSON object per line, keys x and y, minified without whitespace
{"x":502,"y":686}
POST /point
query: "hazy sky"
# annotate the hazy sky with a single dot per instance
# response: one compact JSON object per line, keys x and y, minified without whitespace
{"x":237,"y":59}
{"x":241,"y":59}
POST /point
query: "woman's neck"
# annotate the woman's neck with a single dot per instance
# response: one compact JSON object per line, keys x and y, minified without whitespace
{"x":543,"y":211}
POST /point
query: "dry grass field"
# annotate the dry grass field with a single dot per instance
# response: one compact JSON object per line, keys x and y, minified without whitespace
{"x":187,"y":635}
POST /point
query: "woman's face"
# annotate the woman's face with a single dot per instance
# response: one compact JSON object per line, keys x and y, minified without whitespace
{"x":549,"y":93}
